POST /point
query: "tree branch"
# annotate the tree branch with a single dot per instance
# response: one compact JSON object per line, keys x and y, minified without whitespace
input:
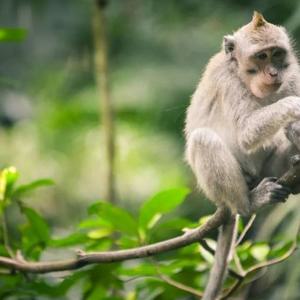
{"x":219,"y":218}
{"x":84,"y":259}
{"x":246,"y":229}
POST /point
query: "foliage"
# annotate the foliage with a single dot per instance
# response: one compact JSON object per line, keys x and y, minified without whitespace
{"x":12,"y":34}
{"x":50,"y":127}
{"x":111,"y":227}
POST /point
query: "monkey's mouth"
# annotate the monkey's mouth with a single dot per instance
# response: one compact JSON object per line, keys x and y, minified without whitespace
{"x":273,"y":86}
{"x":265,"y":90}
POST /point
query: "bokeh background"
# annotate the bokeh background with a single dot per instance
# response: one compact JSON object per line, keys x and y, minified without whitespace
{"x":50,"y":118}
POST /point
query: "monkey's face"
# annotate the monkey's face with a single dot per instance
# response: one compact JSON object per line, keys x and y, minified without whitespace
{"x":263,"y":72}
{"x":263,"y":55}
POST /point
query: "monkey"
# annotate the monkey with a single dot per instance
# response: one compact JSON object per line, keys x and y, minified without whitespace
{"x":242,"y":126}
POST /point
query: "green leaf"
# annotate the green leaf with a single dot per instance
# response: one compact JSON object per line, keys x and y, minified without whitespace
{"x":8,"y":177}
{"x":93,"y":222}
{"x":99,"y":292}
{"x":120,"y":219}
{"x":12,"y":34}
{"x":168,"y":228}
{"x":260,"y":251}
{"x":163,"y":202}
{"x":204,"y":219}
{"x":141,"y":269}
{"x":280,"y":249}
{"x":100,"y":233}
{"x":32,"y":186}
{"x":37,"y":223}
{"x":75,"y":238}
{"x":126,"y":242}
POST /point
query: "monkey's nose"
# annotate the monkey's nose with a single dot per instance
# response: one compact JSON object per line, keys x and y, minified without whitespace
{"x":273,"y":73}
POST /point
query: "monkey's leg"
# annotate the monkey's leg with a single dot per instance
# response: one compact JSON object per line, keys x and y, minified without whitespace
{"x":219,"y":175}
{"x":217,"y":171}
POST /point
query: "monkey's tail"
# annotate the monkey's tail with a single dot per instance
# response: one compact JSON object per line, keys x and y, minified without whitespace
{"x":225,"y":244}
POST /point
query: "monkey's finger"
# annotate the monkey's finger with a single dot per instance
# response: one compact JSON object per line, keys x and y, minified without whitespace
{"x":268,"y":179}
{"x":284,"y":189}
{"x":279,"y":196}
{"x":279,"y":192}
{"x":279,"y":199}
{"x":274,"y":200}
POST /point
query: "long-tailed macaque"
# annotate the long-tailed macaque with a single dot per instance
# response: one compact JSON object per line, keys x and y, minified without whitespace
{"x":241,"y":126}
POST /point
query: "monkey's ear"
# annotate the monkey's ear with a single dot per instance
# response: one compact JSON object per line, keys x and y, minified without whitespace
{"x":228,"y":44}
{"x":258,"y":20}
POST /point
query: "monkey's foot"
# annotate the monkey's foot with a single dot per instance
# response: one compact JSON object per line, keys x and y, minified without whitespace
{"x":268,"y":192}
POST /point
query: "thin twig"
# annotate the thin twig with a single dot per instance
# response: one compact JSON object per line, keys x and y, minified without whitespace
{"x":238,"y":265}
{"x":273,"y":261}
{"x":173,"y":282}
{"x":180,"y":285}
{"x":231,"y":272}
{"x":205,"y":246}
{"x":246,"y":229}
{"x":260,"y":266}
{"x":168,"y":280}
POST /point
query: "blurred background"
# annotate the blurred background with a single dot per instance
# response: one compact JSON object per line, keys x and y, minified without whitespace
{"x":50,"y":112}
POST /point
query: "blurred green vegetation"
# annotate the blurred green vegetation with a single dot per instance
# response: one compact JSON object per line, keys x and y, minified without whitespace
{"x":167,"y":276}
{"x":50,"y":110}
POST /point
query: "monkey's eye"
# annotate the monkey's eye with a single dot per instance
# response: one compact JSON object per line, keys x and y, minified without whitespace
{"x":285,"y":66}
{"x":251,"y":71}
{"x":262,"y":56}
{"x":278,"y":53}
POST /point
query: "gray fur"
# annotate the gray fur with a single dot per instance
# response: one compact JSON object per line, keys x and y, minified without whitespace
{"x":230,"y":132}
{"x":238,"y":130}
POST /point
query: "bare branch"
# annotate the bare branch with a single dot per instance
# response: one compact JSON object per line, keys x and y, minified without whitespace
{"x":231,"y":272}
{"x":239,"y":265}
{"x":246,"y":229}
{"x":175,"y":283}
{"x":180,"y":285}
{"x":84,"y":259}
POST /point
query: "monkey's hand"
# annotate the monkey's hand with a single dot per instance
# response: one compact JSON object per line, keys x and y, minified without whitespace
{"x":268,"y":192}
{"x":294,"y":164}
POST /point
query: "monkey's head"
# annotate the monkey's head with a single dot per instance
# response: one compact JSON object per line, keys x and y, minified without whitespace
{"x":262,"y":54}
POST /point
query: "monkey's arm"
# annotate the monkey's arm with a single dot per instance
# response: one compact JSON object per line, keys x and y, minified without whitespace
{"x":260,"y":125}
